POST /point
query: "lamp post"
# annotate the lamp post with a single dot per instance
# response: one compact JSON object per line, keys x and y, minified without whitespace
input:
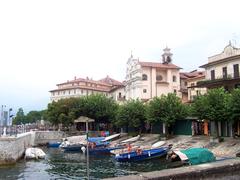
{"x":86,"y":120}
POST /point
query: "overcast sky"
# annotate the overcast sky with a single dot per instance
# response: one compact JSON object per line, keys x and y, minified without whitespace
{"x":46,"y":42}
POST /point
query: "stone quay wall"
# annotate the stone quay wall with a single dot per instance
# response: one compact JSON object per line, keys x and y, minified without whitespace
{"x":224,"y":169}
{"x":12,"y":148}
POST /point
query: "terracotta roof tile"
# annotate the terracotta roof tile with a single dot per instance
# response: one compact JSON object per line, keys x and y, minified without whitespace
{"x":159,"y":65}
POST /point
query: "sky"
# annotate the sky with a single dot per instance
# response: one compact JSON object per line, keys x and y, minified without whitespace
{"x":43,"y":43}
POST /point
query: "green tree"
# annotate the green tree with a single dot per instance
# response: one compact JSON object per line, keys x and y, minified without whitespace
{"x":20,"y":117}
{"x":63,"y":111}
{"x":234,"y":105}
{"x":213,"y":106}
{"x":166,"y":109}
{"x":98,"y":107}
{"x":131,"y":114}
{"x":33,"y":116}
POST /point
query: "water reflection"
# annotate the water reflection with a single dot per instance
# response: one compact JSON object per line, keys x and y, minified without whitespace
{"x":60,"y":165}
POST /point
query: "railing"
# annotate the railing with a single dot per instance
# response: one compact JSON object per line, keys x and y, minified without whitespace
{"x":219,"y":79}
{"x":18,"y":129}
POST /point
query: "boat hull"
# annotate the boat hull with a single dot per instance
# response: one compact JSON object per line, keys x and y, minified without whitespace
{"x":144,"y":155}
{"x":54,"y":144}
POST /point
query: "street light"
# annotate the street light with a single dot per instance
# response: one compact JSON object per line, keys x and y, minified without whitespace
{"x":86,"y":120}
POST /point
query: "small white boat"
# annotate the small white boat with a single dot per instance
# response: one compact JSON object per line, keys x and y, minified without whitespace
{"x":34,"y":153}
{"x":111,"y":137}
{"x":158,"y":144}
{"x":131,"y":139}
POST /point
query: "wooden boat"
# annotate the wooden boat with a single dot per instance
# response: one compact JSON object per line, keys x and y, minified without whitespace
{"x":140,"y":155}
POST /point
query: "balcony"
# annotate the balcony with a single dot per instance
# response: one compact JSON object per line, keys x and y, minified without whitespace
{"x":219,"y":81}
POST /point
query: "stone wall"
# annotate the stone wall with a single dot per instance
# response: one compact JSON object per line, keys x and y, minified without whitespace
{"x":224,"y":169}
{"x":12,"y":148}
{"x":43,"y":137}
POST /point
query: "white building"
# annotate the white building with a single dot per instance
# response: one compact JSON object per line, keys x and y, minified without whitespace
{"x":83,"y":87}
{"x":145,"y":80}
{"x":222,"y":70}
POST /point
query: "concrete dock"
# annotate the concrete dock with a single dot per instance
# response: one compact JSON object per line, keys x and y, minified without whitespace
{"x":12,"y":148}
{"x":224,"y":169}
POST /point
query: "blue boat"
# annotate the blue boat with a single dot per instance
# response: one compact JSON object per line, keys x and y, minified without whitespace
{"x":94,"y":142}
{"x":142,"y":154}
{"x":53,"y":144}
{"x":73,"y":148}
{"x":103,"y":150}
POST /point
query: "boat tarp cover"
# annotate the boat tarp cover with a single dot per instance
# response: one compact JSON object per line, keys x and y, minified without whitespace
{"x":199,"y":155}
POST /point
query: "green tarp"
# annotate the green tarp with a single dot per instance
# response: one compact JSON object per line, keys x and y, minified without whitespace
{"x":199,"y":155}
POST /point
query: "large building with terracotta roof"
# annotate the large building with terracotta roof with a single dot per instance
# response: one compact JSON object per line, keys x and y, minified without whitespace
{"x":82,"y":87}
{"x":189,"y":81}
{"x":146,"y":80}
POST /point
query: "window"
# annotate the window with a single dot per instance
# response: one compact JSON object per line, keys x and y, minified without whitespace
{"x":69,"y":92}
{"x":175,"y":91}
{"x":159,"y":78}
{"x":185,"y":83}
{"x":144,"y":77}
{"x":63,"y":92}
{"x":53,"y":93}
{"x":174,"y":79}
{"x":81,"y":91}
{"x":212,"y":74}
{"x":236,"y":70}
{"x":58,"y":93}
{"x":144,"y":90}
{"x":224,"y":72}
{"x":74,"y":91}
{"x":119,"y":95}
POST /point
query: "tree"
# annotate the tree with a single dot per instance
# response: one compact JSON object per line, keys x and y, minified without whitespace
{"x":33,"y":116}
{"x":166,"y":109}
{"x":98,"y":107}
{"x":213,"y":106}
{"x":63,"y":111}
{"x":234,"y":105}
{"x":20,"y":117}
{"x":131,"y":114}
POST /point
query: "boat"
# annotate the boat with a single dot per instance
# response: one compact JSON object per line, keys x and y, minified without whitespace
{"x":108,"y":138}
{"x":133,"y":139}
{"x":34,"y":153}
{"x":54,"y":144}
{"x":76,"y":146}
{"x":192,"y":156}
{"x":158,"y":144}
{"x":73,"y":147}
{"x":140,"y":155}
{"x":101,"y":150}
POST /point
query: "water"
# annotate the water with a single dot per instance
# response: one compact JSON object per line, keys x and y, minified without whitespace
{"x":60,"y":165}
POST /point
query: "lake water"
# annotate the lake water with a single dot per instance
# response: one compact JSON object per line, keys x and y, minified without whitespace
{"x":60,"y":165}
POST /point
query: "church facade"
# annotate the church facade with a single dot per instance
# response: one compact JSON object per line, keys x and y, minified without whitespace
{"x":146,"y":80}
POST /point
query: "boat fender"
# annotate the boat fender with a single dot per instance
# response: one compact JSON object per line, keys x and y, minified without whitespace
{"x":129,"y":156}
{"x":129,"y":148}
{"x":139,"y":151}
{"x":149,"y":153}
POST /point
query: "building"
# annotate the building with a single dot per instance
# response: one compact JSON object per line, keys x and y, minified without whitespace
{"x":82,"y":87}
{"x":146,"y":80}
{"x":189,"y":81}
{"x":222,"y":70}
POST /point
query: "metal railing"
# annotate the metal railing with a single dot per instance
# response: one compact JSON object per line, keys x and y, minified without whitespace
{"x":220,"y":78}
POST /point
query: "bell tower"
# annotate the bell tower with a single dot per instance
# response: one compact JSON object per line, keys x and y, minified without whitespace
{"x":167,"y":56}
